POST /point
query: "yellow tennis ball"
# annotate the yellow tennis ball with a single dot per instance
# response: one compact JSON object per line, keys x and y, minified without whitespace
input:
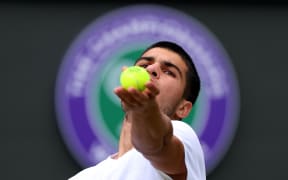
{"x":134,"y":76}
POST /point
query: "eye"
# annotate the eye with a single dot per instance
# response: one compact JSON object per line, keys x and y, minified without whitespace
{"x":143,"y":65}
{"x":168,"y":72}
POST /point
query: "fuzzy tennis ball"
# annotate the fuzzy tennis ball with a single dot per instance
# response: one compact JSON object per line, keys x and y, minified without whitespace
{"x":134,"y":76}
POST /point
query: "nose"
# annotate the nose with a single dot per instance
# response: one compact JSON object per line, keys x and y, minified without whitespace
{"x":154,"y":70}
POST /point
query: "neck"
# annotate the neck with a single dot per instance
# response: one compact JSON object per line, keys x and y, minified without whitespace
{"x":125,"y":138}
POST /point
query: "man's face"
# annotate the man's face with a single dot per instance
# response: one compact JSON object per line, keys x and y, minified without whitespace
{"x":168,"y":72}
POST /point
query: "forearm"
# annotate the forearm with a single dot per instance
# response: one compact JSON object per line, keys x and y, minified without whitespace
{"x":151,"y":129}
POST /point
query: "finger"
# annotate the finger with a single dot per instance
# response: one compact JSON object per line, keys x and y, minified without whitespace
{"x":139,"y":96}
{"x":126,"y":96}
{"x":124,"y":68}
{"x":152,"y":90}
{"x":120,"y":92}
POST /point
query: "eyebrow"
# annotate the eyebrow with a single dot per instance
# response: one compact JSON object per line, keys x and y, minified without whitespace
{"x":165,"y":62}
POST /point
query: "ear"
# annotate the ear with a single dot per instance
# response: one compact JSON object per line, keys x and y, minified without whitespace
{"x":183,"y":109}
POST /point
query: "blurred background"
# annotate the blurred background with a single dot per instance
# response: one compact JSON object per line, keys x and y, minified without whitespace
{"x":34,"y":38}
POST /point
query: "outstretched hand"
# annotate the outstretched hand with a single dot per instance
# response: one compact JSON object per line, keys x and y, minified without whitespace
{"x":133,"y":99}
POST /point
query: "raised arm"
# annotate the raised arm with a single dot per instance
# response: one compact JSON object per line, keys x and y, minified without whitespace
{"x":152,"y":131}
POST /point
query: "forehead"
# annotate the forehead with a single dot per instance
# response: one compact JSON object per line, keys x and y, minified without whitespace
{"x":162,"y":54}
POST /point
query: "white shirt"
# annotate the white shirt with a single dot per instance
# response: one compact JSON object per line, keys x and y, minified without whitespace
{"x":133,"y":165}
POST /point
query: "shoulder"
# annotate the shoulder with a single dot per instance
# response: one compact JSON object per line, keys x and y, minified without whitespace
{"x":91,"y":172}
{"x":194,"y":156}
{"x":183,"y":130}
{"x":187,"y":136}
{"x":84,"y":174}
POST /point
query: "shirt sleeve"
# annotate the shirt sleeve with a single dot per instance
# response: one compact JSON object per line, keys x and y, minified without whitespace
{"x":194,"y":156}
